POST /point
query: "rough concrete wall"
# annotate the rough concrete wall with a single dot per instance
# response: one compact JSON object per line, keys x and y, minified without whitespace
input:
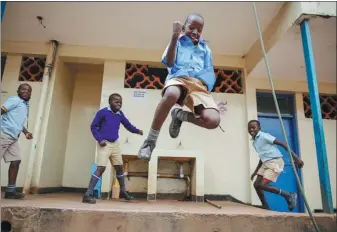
{"x":64,"y":220}
{"x":319,"y":8}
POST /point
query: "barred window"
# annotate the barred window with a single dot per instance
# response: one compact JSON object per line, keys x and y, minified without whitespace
{"x":141,"y":76}
{"x":328,"y":106}
{"x":138,"y":76}
{"x":228,"y":81}
{"x":32,"y":68}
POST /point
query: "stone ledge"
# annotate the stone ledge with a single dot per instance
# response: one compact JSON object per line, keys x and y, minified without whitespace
{"x":36,"y":219}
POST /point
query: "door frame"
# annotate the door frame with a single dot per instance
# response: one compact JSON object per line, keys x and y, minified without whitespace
{"x":296,"y":149}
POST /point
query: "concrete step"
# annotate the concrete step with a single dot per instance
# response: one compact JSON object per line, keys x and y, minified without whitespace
{"x":61,"y":214}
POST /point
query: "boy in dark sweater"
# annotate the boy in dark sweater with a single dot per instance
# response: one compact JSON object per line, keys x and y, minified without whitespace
{"x":104,"y":128}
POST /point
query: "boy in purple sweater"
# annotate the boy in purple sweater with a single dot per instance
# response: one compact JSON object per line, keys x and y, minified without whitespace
{"x":104,"y":128}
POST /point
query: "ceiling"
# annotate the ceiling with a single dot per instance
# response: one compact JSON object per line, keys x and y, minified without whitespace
{"x":286,"y":58}
{"x":229,"y":26}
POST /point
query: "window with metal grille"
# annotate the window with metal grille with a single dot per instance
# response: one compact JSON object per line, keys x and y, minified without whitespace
{"x":228,"y":81}
{"x":32,"y":68}
{"x":141,"y":76}
{"x":328,"y":106}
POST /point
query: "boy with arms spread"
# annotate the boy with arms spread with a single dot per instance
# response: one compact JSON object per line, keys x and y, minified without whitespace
{"x":270,"y":165}
{"x":14,"y":113}
{"x":104,"y":128}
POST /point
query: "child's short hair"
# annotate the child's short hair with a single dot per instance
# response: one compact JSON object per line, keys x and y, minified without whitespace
{"x":193,"y":14}
{"x":24,"y":84}
{"x":256,"y":121}
{"x":114,"y":95}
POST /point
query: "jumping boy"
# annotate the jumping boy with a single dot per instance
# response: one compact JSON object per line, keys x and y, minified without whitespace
{"x":105,"y":128}
{"x":14,"y":113}
{"x":270,"y":165}
{"x":189,"y":82}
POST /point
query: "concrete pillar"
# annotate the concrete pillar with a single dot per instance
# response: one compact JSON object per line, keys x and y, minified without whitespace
{"x":251,"y":111}
{"x":322,"y":158}
{"x":152,"y":178}
{"x":36,"y":154}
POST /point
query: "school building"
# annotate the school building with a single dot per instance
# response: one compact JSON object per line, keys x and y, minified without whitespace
{"x":94,"y":49}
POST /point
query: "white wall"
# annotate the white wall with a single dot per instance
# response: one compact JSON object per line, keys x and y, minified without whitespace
{"x":225,"y":164}
{"x":308,"y":153}
{"x":81,"y":146}
{"x":9,"y":87}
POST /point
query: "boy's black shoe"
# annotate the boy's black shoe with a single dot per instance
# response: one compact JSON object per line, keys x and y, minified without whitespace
{"x":87,"y":198}
{"x":126,"y":196}
{"x":146,"y":150}
{"x":174,"y":128}
{"x":292,"y":201}
{"x":14,"y":195}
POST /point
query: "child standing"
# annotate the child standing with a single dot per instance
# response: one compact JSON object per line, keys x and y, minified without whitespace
{"x":189,"y":82}
{"x":105,"y":128}
{"x":14,"y":113}
{"x":270,"y":165}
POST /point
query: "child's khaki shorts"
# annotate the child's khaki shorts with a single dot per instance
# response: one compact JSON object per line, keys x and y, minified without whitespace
{"x":194,"y":93}
{"x":110,"y":152}
{"x":271,"y":169}
{"x":10,"y":149}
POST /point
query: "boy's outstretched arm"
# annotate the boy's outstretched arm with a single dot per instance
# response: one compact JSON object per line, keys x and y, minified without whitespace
{"x":256,"y":170}
{"x":299,"y":163}
{"x":127,"y":124}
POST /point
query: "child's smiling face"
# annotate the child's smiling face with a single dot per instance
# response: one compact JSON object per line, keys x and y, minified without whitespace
{"x":116,"y":103}
{"x":193,"y":28}
{"x":253,"y":128}
{"x":25,"y":92}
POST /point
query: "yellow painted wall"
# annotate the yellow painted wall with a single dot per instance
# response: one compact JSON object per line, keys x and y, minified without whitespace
{"x":308,"y":153}
{"x":222,"y":150}
{"x":229,"y":156}
{"x":80,"y":145}
{"x":9,"y":87}
{"x":57,"y":129}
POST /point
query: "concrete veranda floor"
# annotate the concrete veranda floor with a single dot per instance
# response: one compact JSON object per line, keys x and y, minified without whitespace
{"x":66,"y":212}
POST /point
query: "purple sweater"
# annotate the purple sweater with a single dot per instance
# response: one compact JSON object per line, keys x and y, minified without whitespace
{"x":106,"y":123}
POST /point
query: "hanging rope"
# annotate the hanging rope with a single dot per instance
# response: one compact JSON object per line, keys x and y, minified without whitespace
{"x":280,"y":118}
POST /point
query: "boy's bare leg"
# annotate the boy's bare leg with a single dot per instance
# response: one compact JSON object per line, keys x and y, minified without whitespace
{"x":13,"y":170}
{"x":260,"y":192}
{"x":171,"y":96}
{"x":169,"y":99}
{"x":263,"y":185}
{"x":209,"y":119}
